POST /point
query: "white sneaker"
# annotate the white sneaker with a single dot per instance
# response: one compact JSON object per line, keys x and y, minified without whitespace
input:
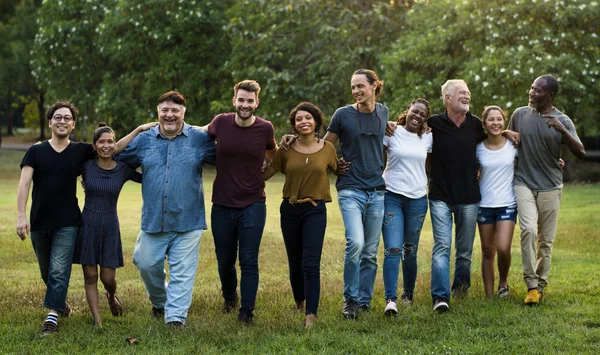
{"x":390,"y":309}
{"x":441,"y":306}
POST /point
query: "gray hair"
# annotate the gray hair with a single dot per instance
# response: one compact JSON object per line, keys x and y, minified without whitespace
{"x":448,"y":87}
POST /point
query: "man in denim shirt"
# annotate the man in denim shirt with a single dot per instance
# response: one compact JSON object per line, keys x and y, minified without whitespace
{"x":171,"y":156}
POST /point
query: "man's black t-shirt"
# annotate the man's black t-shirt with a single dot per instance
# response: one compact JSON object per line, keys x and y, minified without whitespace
{"x":453,"y":159}
{"x":54,"y":198}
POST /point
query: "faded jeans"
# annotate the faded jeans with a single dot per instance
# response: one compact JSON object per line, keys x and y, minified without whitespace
{"x":181,"y":250}
{"x":362,"y":212}
{"x":442,"y":217}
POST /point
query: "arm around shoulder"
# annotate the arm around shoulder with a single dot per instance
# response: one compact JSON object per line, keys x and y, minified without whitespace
{"x":124,"y":142}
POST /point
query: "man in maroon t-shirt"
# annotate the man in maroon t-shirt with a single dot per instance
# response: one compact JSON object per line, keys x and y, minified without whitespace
{"x":239,"y":211}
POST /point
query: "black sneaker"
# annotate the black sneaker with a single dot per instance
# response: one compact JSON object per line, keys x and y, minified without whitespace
{"x":364,"y":308}
{"x":406,"y":300}
{"x":158,"y":312}
{"x":349,"y":310}
{"x":49,"y":328}
{"x":441,"y":306}
{"x":230,"y":305}
{"x":246,"y":316}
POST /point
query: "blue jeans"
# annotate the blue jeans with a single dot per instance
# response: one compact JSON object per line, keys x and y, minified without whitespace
{"x":303,"y":228}
{"x":402,"y":225}
{"x":181,"y":250}
{"x":243,"y":226}
{"x":362,"y":212}
{"x":54,"y":251}
{"x":465,"y":217}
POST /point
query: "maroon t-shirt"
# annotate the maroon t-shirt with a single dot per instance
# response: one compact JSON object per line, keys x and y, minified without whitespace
{"x":240,"y":156}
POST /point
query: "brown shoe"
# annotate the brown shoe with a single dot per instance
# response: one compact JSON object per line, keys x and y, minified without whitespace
{"x":533,"y":297}
{"x":66,"y":312}
{"x":115,"y":307}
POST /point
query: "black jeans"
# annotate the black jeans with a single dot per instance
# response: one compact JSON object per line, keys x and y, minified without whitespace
{"x":303,"y":227}
{"x":243,"y":226}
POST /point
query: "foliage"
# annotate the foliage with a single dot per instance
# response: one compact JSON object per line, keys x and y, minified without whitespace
{"x":307,"y":50}
{"x":499,"y":48}
{"x":31,"y":115}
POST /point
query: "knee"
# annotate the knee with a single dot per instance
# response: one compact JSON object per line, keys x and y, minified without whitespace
{"x":488,"y":252}
{"x":409,"y":252}
{"x":354,"y":247}
{"x":393,"y":252}
{"x":91,"y":278}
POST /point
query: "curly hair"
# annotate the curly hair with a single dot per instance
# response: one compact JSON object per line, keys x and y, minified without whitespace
{"x":402,"y":117}
{"x":310,"y":108}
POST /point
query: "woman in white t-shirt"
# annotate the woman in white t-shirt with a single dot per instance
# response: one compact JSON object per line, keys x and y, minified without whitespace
{"x":405,"y":200}
{"x":498,"y":206}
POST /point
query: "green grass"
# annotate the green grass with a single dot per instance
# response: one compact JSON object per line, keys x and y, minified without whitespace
{"x":568,"y":320}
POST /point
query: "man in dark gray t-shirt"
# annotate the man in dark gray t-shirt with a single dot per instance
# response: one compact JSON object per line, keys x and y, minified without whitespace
{"x":538,"y":178}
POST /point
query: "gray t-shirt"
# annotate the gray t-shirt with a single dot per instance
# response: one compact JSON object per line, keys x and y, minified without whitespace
{"x":537,"y":165}
{"x":361,"y":141}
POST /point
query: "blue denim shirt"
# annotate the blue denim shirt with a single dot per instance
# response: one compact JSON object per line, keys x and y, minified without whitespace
{"x":172,"y":178}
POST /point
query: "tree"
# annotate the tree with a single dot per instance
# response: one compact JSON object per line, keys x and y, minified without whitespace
{"x":499,"y":48}
{"x":302,"y":50}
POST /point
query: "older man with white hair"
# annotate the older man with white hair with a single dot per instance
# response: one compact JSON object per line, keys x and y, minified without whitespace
{"x":453,"y":191}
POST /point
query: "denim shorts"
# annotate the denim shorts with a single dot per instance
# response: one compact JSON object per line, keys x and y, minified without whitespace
{"x":491,"y":215}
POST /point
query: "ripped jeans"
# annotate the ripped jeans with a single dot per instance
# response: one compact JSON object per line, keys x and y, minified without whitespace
{"x":402,"y":223}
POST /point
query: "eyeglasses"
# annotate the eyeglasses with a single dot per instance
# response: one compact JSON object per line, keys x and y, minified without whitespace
{"x":361,"y":127}
{"x":59,"y":118}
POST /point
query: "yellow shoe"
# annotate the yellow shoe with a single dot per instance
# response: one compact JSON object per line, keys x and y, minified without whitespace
{"x":533,"y":297}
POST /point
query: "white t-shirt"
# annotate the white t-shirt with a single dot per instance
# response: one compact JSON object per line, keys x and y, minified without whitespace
{"x":406,"y":155}
{"x":497,"y":170}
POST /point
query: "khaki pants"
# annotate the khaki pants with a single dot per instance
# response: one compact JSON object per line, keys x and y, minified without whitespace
{"x":538,"y":214}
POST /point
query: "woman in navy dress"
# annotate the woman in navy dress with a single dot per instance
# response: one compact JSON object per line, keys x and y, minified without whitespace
{"x":99,"y":238}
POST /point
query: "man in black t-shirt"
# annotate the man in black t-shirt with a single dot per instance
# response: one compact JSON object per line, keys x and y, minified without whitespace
{"x":453,"y":191}
{"x":53,"y":166}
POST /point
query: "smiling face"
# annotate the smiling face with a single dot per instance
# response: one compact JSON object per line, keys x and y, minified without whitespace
{"x":61,"y":124}
{"x":494,"y":123}
{"x":304,"y":123}
{"x":362,"y":91}
{"x":170,"y":118}
{"x":415,"y":117}
{"x":245,"y":103}
{"x":105,"y":145}
{"x":540,"y":97}
{"x":458,"y":99}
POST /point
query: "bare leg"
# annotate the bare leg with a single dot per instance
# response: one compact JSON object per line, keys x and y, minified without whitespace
{"x":504,"y":235}
{"x":487,"y":234}
{"x":90,"y":275}
{"x":108,"y":278}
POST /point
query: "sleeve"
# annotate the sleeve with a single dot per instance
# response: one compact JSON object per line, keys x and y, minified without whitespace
{"x":386,"y":141}
{"x":332,"y":164}
{"x":512,"y":124}
{"x":568,"y":123}
{"x":132,"y":174}
{"x":210,"y":150}
{"x":480,"y":132}
{"x":429,"y":142}
{"x":271,"y":137}
{"x":278,"y":162}
{"x":89,"y":152}
{"x":213,"y":125}
{"x":334,"y":125}
{"x":130,"y":155}
{"x":29,"y":157}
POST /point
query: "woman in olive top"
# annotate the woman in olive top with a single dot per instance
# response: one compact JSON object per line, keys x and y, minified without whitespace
{"x":303,"y":211}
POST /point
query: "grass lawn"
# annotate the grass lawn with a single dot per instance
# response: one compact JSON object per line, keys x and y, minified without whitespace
{"x":567,"y":321}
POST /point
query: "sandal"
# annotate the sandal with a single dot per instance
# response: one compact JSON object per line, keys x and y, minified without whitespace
{"x":115,"y":307}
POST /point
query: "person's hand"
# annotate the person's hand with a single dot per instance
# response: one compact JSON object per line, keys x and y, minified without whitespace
{"x":146,"y":126}
{"x":390,"y":128}
{"x":342,"y":166}
{"x":561,"y":163}
{"x":513,"y":136}
{"x":22,"y":227}
{"x":287,"y":140}
{"x":552,"y":122}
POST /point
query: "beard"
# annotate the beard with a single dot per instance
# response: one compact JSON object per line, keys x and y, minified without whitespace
{"x":244,"y":115}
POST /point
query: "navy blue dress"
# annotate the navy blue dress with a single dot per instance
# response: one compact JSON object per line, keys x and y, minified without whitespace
{"x":99,"y":237}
